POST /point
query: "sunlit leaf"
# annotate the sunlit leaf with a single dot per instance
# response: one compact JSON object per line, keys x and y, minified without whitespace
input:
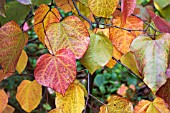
{"x":56,"y":72}
{"x":8,"y":109}
{"x":66,"y":5}
{"x":162,"y":3}
{"x":3,"y":75}
{"x":3,"y":100}
{"x":98,"y":53}
{"x":56,"y":111}
{"x":85,"y":2}
{"x":103,"y":8}
{"x":22,"y":62}
{"x":73,"y":101}
{"x":122,"y":39}
{"x":29,"y":95}
{"x":43,"y":17}
{"x":129,"y":61}
{"x":2,"y":8}
{"x":164,"y":92}
{"x":157,"y":106}
{"x":12,"y":42}
{"x":152,"y":59}
{"x":122,"y":90}
{"x":71,"y":34}
{"x":117,"y":104}
{"x":26,"y":2}
{"x":160,"y":23}
{"x":127,"y":8}
{"x":14,"y":11}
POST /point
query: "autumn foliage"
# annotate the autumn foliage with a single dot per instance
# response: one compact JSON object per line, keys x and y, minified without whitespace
{"x":98,"y":33}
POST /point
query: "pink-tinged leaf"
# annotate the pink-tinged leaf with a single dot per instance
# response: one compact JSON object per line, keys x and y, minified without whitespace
{"x":168,"y":71}
{"x":70,"y":34}
{"x":152,"y":58}
{"x":127,"y":8}
{"x":12,"y":42}
{"x":161,"y":24}
{"x":56,"y":72}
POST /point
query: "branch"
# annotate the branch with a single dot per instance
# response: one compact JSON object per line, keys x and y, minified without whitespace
{"x":88,"y":88}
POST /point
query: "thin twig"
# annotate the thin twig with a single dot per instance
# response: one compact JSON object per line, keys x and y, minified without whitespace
{"x":88,"y":90}
{"x":97,"y":99}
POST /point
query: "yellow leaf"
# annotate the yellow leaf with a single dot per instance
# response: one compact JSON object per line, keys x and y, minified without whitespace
{"x":3,"y":100}
{"x":8,"y":109}
{"x":157,"y":106}
{"x":103,"y":8}
{"x":73,"y":101}
{"x":29,"y":95}
{"x":117,"y":104}
{"x":22,"y":62}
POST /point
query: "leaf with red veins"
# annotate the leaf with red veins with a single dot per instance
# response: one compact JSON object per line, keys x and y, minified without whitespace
{"x":127,"y":8}
{"x":56,"y":72}
{"x":12,"y":42}
{"x":70,"y":34}
{"x":161,"y":24}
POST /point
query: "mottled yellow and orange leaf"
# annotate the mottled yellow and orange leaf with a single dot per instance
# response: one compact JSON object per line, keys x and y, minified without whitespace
{"x":43,"y":17}
{"x":56,"y":72}
{"x":73,"y":101}
{"x":3,"y":100}
{"x":22,"y":62}
{"x":12,"y":42}
{"x":157,"y":106}
{"x":122,"y":39}
{"x":103,"y":8}
{"x":70,"y":34}
{"x":29,"y":95}
{"x":8,"y":109}
{"x":66,"y":5}
{"x":117,"y":104}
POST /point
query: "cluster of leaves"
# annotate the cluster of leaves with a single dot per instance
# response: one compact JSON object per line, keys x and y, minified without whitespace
{"x":98,"y":33}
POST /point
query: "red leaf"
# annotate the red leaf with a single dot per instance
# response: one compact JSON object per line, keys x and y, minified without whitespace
{"x":56,"y":72}
{"x":160,"y":23}
{"x":127,"y":8}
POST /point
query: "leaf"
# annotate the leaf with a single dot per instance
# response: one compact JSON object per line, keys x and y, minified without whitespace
{"x":15,"y":11}
{"x":25,"y":2}
{"x":164,"y":92}
{"x":85,"y":2}
{"x":98,"y":53}
{"x":29,"y":95}
{"x":162,"y":4}
{"x":56,"y":111}
{"x":56,"y":72}
{"x":3,"y":100}
{"x":2,"y":8}
{"x":39,"y":2}
{"x":3,"y":75}
{"x":152,"y":59}
{"x":66,"y":5}
{"x":116,"y":54}
{"x":73,"y":101}
{"x":22,"y":62}
{"x":157,"y":106}
{"x":160,"y":23}
{"x":122,"y":39}
{"x":129,"y":61}
{"x":127,"y":8}
{"x":12,"y":42}
{"x":8,"y":109}
{"x":43,"y":17}
{"x":71,"y":34}
{"x":103,"y":8}
{"x":117,"y":104}
{"x":122,"y":90}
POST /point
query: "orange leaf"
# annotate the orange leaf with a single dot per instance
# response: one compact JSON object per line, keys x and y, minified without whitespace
{"x":43,"y":17}
{"x":157,"y":106}
{"x":122,"y":39}
{"x":3,"y":76}
{"x":3,"y":100}
{"x":71,"y":34}
{"x":122,"y":90}
{"x":127,"y":7}
{"x":117,"y":104}
{"x":12,"y":42}
{"x":29,"y":95}
{"x":8,"y":109}
{"x":56,"y":72}
{"x":66,"y":5}
{"x":56,"y":111}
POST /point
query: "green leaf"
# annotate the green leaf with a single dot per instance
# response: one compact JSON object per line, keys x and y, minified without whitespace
{"x":152,"y":59}
{"x":39,"y":2}
{"x":162,"y":3}
{"x":15,"y":11}
{"x":98,"y":53}
{"x":99,"y":80}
